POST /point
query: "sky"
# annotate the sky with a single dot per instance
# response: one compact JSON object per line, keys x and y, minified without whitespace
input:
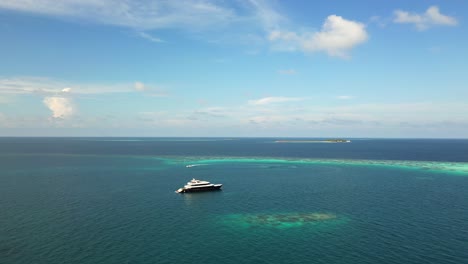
{"x":238,"y":68}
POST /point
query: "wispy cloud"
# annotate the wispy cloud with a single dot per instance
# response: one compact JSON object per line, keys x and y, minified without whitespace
{"x":379,"y":21}
{"x":430,"y":18}
{"x":384,"y":119}
{"x":47,"y":86}
{"x":337,"y":37}
{"x":150,"y":90}
{"x":209,"y":112}
{"x":58,"y":96}
{"x":273,"y":100}
{"x":133,"y":14}
{"x":264,"y":12}
{"x":24,"y":85}
{"x":245,"y":17}
{"x":390,"y":119}
{"x":149,"y":37}
{"x":287,"y":72}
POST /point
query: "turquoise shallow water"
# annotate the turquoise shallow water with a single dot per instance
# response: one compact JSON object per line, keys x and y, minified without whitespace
{"x":454,"y":168}
{"x":64,"y":202}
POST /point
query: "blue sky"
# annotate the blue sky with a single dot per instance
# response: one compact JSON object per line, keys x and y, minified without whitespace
{"x":234,"y":68}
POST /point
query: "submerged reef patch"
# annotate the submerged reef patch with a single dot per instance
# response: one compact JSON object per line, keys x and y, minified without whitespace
{"x":282,"y":220}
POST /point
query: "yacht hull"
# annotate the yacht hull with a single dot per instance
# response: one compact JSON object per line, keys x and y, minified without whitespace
{"x":202,"y":189}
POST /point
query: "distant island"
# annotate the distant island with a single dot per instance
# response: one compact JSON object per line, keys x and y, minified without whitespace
{"x":335,"y":140}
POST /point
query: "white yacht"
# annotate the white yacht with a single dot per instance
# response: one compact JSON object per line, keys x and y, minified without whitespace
{"x":199,"y":186}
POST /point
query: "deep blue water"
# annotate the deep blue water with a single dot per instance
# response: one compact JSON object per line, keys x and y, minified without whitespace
{"x":112,"y":200}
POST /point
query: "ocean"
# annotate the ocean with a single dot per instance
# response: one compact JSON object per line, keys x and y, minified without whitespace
{"x":112,"y":200}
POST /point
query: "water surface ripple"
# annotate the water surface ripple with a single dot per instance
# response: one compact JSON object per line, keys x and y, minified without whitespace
{"x":64,"y":202}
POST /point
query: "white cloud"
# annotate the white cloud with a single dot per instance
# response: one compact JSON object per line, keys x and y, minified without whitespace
{"x":149,"y":37}
{"x":25,"y":85}
{"x":156,"y":14}
{"x":211,"y":112}
{"x":59,"y":99}
{"x":139,"y":86}
{"x":150,"y":91}
{"x":51,"y":87}
{"x":372,"y":115}
{"x":337,"y":37}
{"x":415,"y":119}
{"x":379,"y":21}
{"x":271,"y":100}
{"x":245,"y":17}
{"x":431,"y":17}
{"x":268,"y":119}
{"x":266,"y":14}
{"x":61,"y":107}
{"x":58,"y":94}
{"x":133,"y":14}
{"x":319,"y":118}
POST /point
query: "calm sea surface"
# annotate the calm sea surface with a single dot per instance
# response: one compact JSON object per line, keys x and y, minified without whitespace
{"x":112,"y":200}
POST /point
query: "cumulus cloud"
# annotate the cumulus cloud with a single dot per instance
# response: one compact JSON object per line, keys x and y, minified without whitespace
{"x":337,"y":37}
{"x":272,"y":100}
{"x":431,"y":17}
{"x":246,"y":17}
{"x":61,"y":107}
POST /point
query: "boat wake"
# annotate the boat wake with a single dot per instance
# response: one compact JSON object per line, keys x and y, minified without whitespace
{"x":195,"y":165}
